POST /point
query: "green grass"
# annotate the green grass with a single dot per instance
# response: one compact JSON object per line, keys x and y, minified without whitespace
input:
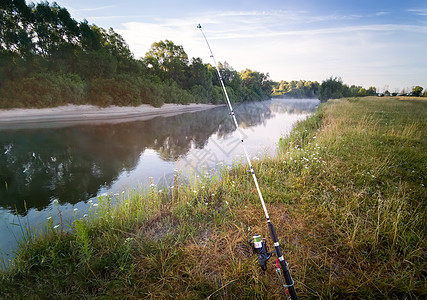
{"x":346,"y":194}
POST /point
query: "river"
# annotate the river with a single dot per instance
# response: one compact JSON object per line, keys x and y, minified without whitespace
{"x":72,"y":165}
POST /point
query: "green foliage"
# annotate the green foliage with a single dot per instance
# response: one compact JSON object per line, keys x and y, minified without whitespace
{"x":346,"y":194}
{"x":296,"y":89}
{"x":334,"y":88}
{"x":417,"y":90}
{"x":48,"y":59}
{"x":331,"y":88}
{"x":43,"y":89}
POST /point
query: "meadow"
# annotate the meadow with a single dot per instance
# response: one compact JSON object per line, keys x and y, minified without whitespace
{"x":346,"y":194}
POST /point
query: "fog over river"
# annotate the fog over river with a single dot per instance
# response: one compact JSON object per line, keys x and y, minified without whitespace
{"x":72,"y":165}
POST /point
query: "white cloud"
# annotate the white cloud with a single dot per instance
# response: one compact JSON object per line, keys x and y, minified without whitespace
{"x":295,"y":45}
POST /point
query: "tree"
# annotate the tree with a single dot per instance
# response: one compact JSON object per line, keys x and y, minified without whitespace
{"x":170,"y":58}
{"x":372,"y":91}
{"x":417,"y":90}
{"x":331,"y":88}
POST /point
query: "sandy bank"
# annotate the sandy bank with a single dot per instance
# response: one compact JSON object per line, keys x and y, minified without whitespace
{"x":69,"y":115}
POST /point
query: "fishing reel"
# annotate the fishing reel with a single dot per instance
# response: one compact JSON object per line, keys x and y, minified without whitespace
{"x":259,"y":247}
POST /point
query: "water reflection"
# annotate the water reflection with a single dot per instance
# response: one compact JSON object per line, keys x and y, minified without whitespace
{"x":71,"y":164}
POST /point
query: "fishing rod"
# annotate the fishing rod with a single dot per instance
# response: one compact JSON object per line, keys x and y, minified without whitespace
{"x":259,"y":244}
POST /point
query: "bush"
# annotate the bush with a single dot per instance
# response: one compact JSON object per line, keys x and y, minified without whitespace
{"x":43,"y":90}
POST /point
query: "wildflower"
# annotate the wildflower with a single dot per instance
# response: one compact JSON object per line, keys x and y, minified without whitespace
{"x":95,"y":204}
{"x":56,"y":226}
{"x":55,"y":201}
{"x":213,"y":195}
{"x":226,"y":202}
{"x":104,"y":195}
{"x":160,"y":191}
{"x":195,"y":192}
{"x":76,"y":209}
{"x":152,"y":185}
{"x":85,"y":215}
{"x":206,"y":203}
{"x":203,"y":186}
{"x":90,"y":201}
{"x":49,"y":218}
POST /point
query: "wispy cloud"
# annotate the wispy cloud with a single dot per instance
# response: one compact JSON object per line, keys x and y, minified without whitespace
{"x":418,"y":11}
{"x":97,"y":8}
{"x":382,"y":13}
{"x":295,"y":44}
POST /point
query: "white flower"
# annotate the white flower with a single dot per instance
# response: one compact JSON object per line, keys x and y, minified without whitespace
{"x":56,"y":226}
{"x":213,"y":194}
{"x":95,"y":204}
{"x":76,"y":209}
{"x":85,"y":216}
{"x":55,"y":201}
{"x":49,"y":218}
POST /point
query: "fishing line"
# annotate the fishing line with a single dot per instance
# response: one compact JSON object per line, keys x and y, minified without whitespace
{"x":258,"y":244}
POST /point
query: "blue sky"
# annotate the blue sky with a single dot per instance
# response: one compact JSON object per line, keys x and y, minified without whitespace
{"x":369,"y":43}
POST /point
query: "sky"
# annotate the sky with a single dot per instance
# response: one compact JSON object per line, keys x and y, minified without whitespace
{"x":380,"y":43}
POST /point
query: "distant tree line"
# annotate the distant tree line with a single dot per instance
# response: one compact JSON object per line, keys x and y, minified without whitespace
{"x":47,"y":59}
{"x":296,"y":89}
{"x":333,"y":88}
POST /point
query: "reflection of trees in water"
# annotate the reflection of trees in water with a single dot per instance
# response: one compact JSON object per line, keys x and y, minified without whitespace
{"x":71,"y":164}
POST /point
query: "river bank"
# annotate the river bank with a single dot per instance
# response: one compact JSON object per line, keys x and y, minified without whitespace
{"x":89,"y":114}
{"x":346,"y":194}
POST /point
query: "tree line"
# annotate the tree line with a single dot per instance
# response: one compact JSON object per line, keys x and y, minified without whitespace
{"x":333,"y":88}
{"x":47,"y":59}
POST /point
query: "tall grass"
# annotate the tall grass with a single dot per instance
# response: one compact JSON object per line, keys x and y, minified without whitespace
{"x":346,"y":194}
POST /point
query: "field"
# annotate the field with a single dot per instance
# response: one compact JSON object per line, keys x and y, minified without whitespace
{"x":347,"y":195}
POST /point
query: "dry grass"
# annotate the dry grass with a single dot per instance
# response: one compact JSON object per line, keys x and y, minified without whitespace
{"x":346,"y":194}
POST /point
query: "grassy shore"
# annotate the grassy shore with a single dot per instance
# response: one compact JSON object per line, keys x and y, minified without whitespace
{"x":346,"y":194}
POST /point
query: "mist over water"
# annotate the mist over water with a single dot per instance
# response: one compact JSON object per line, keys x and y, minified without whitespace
{"x":73,"y":165}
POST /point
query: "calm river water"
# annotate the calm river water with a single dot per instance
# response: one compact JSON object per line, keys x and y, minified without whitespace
{"x":74,"y":165}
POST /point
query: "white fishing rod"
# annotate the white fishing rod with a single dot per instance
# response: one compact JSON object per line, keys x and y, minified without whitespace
{"x":258,"y":244}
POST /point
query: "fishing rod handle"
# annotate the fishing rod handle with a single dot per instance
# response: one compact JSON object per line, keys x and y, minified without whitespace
{"x":286,"y":274}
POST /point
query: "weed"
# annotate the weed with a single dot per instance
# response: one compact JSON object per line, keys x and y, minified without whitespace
{"x":346,"y":193}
